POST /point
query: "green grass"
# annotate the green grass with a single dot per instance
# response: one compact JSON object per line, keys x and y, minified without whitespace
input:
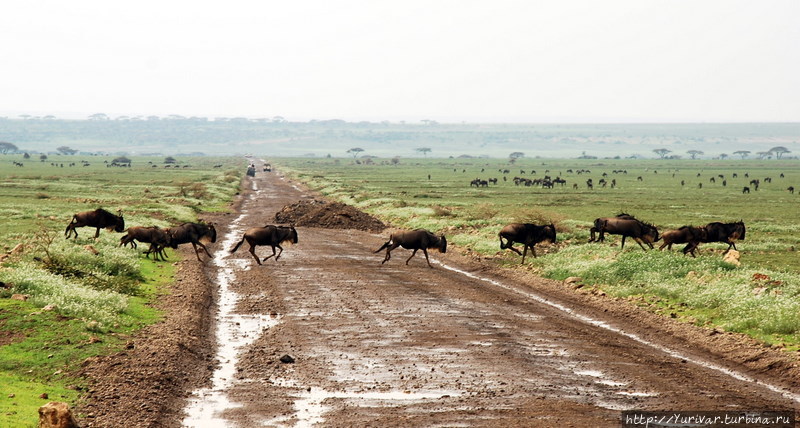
{"x":704,"y":291}
{"x":97,"y":301}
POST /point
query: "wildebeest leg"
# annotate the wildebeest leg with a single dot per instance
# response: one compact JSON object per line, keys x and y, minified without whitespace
{"x":273,"y":252}
{"x":195,"y":252}
{"x":509,"y":246}
{"x":253,"y":252}
{"x":424,"y":251}
{"x":415,"y":252}
{"x":666,"y":244}
{"x":592,"y":231}
{"x":623,"y":242}
{"x":97,"y":233}
{"x":689,"y":248}
{"x":389,"y":249}
{"x":204,"y":249}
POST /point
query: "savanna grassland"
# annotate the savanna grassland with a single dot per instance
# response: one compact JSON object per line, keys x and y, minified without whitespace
{"x":81,"y":304}
{"x":761,"y":297}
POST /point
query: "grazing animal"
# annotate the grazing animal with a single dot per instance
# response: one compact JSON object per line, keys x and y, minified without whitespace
{"x":790,"y":189}
{"x":689,"y":235}
{"x":419,"y":239}
{"x":745,"y":189}
{"x":270,"y":235}
{"x":728,"y":233}
{"x":157,"y":237}
{"x":99,"y":218}
{"x":526,"y":234}
{"x":627,"y":226}
{"x":193,"y":233}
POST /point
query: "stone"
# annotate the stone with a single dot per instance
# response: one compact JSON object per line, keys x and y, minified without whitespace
{"x":732,"y":257}
{"x":56,"y":414}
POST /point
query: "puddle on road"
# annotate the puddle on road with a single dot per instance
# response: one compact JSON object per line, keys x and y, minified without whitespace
{"x":233,"y":332}
{"x":310,"y":408}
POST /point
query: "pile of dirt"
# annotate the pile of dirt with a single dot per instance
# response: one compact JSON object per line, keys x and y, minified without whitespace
{"x":328,"y":215}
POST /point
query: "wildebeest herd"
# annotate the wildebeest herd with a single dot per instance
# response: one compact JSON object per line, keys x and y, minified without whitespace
{"x":526,"y":234}
{"x":158,"y":238}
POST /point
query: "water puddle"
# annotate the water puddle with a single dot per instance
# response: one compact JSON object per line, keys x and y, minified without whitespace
{"x":233,"y":332}
{"x":310,"y":408}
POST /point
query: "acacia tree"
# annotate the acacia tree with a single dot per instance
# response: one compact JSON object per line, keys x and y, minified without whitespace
{"x":723,"y":156}
{"x":424,"y":150}
{"x":742,"y":153}
{"x":6,"y":147}
{"x":694,"y":153}
{"x":779,"y":151}
{"x":355,"y":151}
{"x":66,"y":150}
{"x":662,"y":152}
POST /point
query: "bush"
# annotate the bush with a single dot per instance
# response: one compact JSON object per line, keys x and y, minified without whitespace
{"x":69,"y":298}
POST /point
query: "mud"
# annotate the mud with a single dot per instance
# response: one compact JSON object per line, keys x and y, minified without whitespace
{"x":328,"y":215}
{"x":463,"y":344}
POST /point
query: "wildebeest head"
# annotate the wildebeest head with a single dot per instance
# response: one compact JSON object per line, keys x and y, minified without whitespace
{"x":650,"y":233}
{"x":741,"y":225}
{"x":443,"y":244}
{"x":212,"y":233}
{"x":550,"y":232}
{"x":120,"y":222}
{"x":292,"y":237}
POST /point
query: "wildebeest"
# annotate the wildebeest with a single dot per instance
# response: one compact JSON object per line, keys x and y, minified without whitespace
{"x":157,"y":237}
{"x":419,"y":239}
{"x":526,"y":234}
{"x":689,"y":235}
{"x":627,"y":226}
{"x":193,"y":233}
{"x":99,"y":218}
{"x":270,"y":235}
{"x":728,"y":233}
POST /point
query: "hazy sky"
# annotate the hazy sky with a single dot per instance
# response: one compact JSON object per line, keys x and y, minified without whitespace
{"x":451,"y":61}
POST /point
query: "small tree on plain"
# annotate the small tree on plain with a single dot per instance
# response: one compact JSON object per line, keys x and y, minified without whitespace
{"x":779,"y":151}
{"x":6,"y":147}
{"x":742,"y":153}
{"x":694,"y":153}
{"x":355,"y":151}
{"x":66,"y":150}
{"x":662,"y":153}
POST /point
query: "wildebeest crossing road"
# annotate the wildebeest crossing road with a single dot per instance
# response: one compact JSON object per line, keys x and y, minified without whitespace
{"x":461,"y":344}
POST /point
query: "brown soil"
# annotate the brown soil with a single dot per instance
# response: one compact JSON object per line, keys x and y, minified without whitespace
{"x":491,"y":347}
{"x":328,"y":215}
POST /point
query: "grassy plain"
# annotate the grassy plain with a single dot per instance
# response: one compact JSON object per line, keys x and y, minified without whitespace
{"x":98,"y":300}
{"x":705,"y":291}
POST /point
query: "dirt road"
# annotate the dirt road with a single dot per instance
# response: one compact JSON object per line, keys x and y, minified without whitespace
{"x":462,"y":344}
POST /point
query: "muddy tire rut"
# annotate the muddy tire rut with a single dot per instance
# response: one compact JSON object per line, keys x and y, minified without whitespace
{"x":463,"y":344}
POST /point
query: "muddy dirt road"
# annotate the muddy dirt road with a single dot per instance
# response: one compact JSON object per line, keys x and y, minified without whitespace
{"x":462,"y":344}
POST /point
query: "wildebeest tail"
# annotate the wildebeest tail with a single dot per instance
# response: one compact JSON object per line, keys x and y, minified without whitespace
{"x":233,"y":250}
{"x":70,"y":225}
{"x":385,"y":245}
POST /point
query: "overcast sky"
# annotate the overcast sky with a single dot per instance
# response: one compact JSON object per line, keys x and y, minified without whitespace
{"x":451,"y":61}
